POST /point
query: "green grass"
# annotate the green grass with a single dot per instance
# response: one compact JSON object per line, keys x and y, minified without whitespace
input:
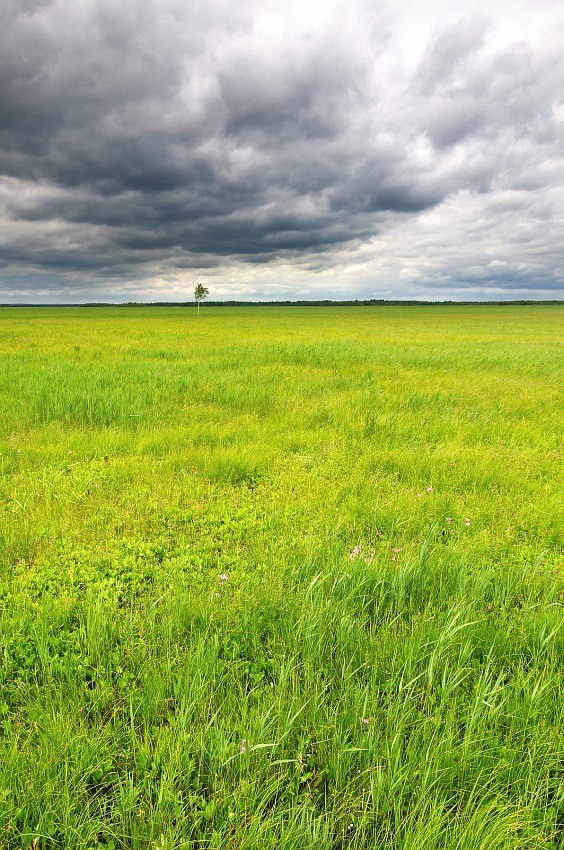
{"x":382,"y":488}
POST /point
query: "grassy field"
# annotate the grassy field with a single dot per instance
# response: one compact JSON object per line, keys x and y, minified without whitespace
{"x":282,"y":578}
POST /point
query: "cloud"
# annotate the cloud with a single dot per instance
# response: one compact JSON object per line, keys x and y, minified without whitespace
{"x":142,"y":143}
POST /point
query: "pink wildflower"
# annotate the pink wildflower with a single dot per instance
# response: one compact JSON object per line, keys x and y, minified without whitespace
{"x":467,"y":521}
{"x":243,"y":746}
{"x":223,"y":577}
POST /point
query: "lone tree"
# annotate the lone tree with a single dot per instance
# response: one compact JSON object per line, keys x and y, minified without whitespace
{"x":200,"y":293}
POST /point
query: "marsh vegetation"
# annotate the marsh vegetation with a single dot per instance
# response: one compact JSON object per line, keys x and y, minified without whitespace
{"x":282,"y":578}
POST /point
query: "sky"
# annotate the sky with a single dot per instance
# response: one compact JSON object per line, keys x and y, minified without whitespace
{"x":402,"y":149}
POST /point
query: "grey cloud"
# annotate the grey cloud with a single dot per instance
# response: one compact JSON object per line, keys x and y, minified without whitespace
{"x":449,"y":55}
{"x":506,"y":95}
{"x":145,"y":136}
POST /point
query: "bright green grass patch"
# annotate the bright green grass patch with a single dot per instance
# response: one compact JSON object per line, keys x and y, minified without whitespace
{"x":333,"y":534}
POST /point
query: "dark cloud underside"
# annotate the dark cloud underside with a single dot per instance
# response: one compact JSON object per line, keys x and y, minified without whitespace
{"x":161,"y":136}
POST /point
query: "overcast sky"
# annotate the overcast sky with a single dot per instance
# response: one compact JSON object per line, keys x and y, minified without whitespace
{"x":305,"y":149}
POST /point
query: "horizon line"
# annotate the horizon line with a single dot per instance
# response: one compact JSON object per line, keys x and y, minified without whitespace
{"x":325,"y":302}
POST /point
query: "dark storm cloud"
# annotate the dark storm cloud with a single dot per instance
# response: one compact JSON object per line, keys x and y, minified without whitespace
{"x":116,"y":122}
{"x":136,"y":138}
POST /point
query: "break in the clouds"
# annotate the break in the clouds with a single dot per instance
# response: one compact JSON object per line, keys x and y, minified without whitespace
{"x":315,"y":149}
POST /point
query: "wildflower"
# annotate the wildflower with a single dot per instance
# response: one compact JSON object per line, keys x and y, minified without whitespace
{"x":467,"y":521}
{"x":217,"y":595}
{"x":364,"y":720}
{"x":243,"y":746}
{"x":397,"y":549}
{"x":223,"y":577}
{"x":419,"y":495}
{"x":449,"y":520}
{"x":355,"y":552}
{"x":430,"y":489}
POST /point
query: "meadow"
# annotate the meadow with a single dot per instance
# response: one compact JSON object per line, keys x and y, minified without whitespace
{"x":282,"y":578}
